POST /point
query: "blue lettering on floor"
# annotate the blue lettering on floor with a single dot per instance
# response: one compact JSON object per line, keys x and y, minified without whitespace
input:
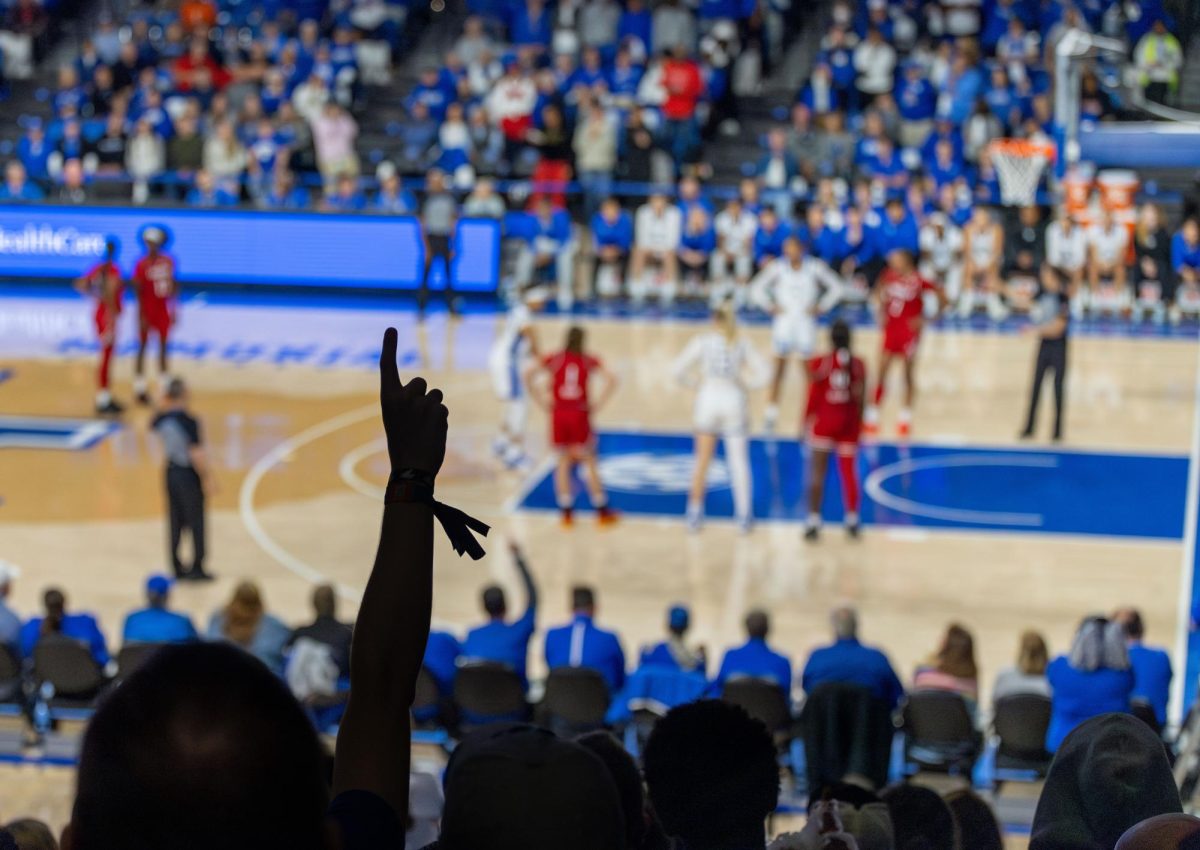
{"x":42,"y":432}
{"x":915,"y":485}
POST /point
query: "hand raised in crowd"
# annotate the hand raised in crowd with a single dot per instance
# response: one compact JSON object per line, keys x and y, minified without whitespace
{"x":414,"y":418}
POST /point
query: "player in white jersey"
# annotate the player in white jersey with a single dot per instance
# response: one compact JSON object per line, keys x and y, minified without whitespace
{"x":1108,"y":248}
{"x":732,"y":263}
{"x":983,"y":251}
{"x":794,"y":289}
{"x":942,"y":253}
{"x":1066,"y":258}
{"x":512,"y":352}
{"x":722,"y":366}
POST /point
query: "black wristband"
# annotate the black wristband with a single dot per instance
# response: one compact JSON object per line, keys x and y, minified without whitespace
{"x":402,"y":489}
{"x":414,"y":486}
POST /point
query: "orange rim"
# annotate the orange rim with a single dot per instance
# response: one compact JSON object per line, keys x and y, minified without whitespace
{"x":1023,"y":148}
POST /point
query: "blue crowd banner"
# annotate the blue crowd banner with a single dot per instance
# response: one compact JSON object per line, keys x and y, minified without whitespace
{"x":246,"y":248}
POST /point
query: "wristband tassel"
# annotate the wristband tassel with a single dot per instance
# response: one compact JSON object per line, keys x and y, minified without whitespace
{"x":458,"y":525}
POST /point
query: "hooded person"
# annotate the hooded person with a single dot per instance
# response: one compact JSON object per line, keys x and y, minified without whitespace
{"x":1110,"y":773}
{"x":1163,"y":832}
{"x":513,"y":786}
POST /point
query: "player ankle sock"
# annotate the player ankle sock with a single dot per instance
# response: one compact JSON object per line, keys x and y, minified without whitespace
{"x":139,"y":385}
{"x":905,"y":417}
{"x":871,"y":414}
{"x":813,"y":521}
{"x":849,"y":476}
{"x":851,"y":517}
{"x":103,"y":397}
{"x":771,"y":416}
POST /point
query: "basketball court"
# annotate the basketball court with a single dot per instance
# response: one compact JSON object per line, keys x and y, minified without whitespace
{"x":964,"y":523}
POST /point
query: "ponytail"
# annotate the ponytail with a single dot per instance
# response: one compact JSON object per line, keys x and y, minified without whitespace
{"x":726,"y":320}
{"x":575,"y":340}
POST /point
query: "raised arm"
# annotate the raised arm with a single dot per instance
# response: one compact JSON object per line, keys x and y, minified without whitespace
{"x":531,"y":594}
{"x":373,"y":748}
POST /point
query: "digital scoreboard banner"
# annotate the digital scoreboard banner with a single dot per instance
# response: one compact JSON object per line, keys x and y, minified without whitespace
{"x":246,"y":248}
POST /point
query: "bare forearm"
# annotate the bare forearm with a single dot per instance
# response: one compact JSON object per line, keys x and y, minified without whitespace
{"x":389,"y":643}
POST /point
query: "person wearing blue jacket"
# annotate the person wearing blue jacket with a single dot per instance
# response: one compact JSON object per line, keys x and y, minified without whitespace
{"x":499,"y":640}
{"x":754,"y":657}
{"x":612,"y":239}
{"x":549,"y":255}
{"x":156,"y":623}
{"x":847,"y":661}
{"x":1152,"y":673}
{"x":1095,"y":678}
{"x":770,"y":236}
{"x":581,"y":643}
{"x":56,"y":621}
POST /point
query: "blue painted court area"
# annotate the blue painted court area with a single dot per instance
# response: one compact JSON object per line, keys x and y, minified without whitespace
{"x":43,"y":432}
{"x":919,"y":486}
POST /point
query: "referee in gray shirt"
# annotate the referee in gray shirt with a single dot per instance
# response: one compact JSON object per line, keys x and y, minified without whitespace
{"x":186,"y":478}
{"x":439,"y":217}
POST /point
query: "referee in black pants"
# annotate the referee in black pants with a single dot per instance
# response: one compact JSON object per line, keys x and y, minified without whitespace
{"x":1052,"y":312}
{"x":186,"y":478}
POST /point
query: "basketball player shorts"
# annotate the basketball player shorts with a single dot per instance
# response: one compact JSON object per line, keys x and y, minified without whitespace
{"x":505,"y":372}
{"x":834,"y":434}
{"x":720,"y":410}
{"x":793,"y":335}
{"x":158,"y":321}
{"x":570,"y":429}
{"x":901,"y":339}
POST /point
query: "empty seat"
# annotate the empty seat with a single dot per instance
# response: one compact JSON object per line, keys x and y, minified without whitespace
{"x":134,"y":655}
{"x":941,"y":735}
{"x":1020,"y":722}
{"x":764,"y":700}
{"x":69,"y":667}
{"x":486,"y":692}
{"x":10,"y":675}
{"x":575,"y":701}
{"x":848,"y":732}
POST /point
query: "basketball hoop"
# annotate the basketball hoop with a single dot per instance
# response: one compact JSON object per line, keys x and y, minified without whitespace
{"x":1019,"y":165}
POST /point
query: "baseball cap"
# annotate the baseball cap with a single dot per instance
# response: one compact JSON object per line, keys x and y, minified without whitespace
{"x":158,"y":584}
{"x":678,"y":617}
{"x":8,"y":572}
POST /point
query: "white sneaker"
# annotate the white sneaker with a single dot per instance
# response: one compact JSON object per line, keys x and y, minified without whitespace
{"x":695,"y":521}
{"x":745,"y":525}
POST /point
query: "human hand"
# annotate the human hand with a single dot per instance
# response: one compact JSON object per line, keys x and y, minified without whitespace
{"x":414,"y":418}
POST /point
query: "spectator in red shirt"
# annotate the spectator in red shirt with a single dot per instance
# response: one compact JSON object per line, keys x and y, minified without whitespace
{"x":197,"y":70}
{"x":684,"y":86}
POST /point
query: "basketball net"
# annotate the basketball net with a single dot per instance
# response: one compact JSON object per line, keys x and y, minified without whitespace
{"x":1019,"y":166}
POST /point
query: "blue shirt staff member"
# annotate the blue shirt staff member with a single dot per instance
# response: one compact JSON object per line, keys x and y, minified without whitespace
{"x":1053,"y":312}
{"x":497,"y":640}
{"x":754,"y":657}
{"x":187,"y":479}
{"x":155,"y":623}
{"x":581,"y":643}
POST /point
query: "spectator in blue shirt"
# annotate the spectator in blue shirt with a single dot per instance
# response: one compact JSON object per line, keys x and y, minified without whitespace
{"x":16,"y":185}
{"x":245,"y":623}
{"x":1095,"y":678}
{"x":943,"y":128}
{"x":581,"y":643}
{"x":945,"y":168}
{"x":10,"y":621}
{"x":917,"y":102}
{"x":885,"y":167}
{"x":612,"y":238}
{"x":754,"y":657}
{"x":34,"y":151}
{"x":393,"y":198}
{"x":498,"y":640}
{"x":284,"y":194}
{"x":154,"y":623}
{"x":1151,"y":666}
{"x":849,"y":662}
{"x":532,"y":25}
{"x":896,"y":229}
{"x":770,"y":236}
{"x":1185,"y":252}
{"x":346,"y":196}
{"x":80,"y":627}
{"x":635,"y":25}
{"x":442,"y":652}
{"x":430,"y":92}
{"x":206,"y":193}
{"x":674,"y":652}
{"x":691,"y":197}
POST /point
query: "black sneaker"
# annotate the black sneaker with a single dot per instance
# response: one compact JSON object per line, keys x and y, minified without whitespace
{"x":110,"y":408}
{"x":854,"y":531}
{"x":143,"y":398}
{"x":812,"y":533}
{"x":200,"y":575}
{"x":1025,"y":435}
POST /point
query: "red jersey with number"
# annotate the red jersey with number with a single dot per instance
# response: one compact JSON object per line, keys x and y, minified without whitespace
{"x":570,"y":421}
{"x":903,"y":297}
{"x":837,"y":385}
{"x":155,"y":280}
{"x":103,"y":279}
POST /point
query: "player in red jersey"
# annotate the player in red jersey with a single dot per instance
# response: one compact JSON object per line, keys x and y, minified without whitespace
{"x":102,"y":282}
{"x":571,"y":405}
{"x":901,"y":292}
{"x":837,"y":386}
{"x":157,"y":290}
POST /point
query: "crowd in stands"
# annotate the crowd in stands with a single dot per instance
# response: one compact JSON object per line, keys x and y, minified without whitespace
{"x":203,"y":745}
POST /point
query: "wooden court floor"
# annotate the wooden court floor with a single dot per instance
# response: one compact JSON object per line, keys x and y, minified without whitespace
{"x":299,"y":462}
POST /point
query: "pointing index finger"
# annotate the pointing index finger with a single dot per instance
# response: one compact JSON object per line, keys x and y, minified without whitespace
{"x":389,"y":373}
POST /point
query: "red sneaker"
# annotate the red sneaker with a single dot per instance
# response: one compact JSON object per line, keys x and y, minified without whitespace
{"x":904,"y":429}
{"x":567,"y":518}
{"x":606,"y":516}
